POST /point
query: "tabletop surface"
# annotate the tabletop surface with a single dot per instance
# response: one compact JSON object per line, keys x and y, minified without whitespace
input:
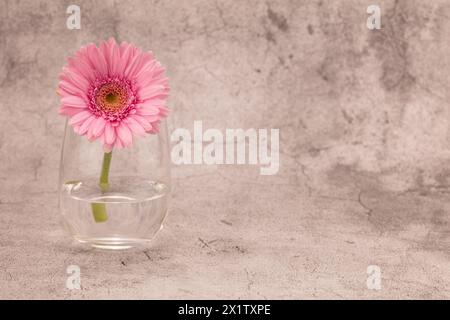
{"x":364,"y":178}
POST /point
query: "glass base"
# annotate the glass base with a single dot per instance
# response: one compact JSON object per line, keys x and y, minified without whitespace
{"x":114,"y":243}
{"x":128,"y":215}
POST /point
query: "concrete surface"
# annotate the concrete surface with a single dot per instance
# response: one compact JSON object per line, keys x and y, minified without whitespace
{"x":365,"y":158}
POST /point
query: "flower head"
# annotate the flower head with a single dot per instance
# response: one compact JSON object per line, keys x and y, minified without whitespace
{"x":113,"y":93}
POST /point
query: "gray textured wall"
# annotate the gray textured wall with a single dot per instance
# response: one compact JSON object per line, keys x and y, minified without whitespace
{"x":365,"y":157}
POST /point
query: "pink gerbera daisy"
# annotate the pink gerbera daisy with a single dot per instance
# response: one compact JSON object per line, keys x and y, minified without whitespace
{"x":113,"y":93}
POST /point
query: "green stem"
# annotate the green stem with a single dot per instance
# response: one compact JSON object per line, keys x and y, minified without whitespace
{"x":99,"y":209}
{"x":104,"y":184}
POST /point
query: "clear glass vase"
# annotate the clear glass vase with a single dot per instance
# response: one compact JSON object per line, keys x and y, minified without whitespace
{"x":131,"y":208}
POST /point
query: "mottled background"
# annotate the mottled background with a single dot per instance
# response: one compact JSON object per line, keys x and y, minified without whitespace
{"x":364,"y":139}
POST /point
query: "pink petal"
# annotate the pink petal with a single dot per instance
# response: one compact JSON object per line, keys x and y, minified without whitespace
{"x":79,"y":117}
{"x":76,"y":128}
{"x":110,"y":52}
{"x":141,"y":120}
{"x":154,"y":102}
{"x":152,"y":91}
{"x":68,"y":83}
{"x":124,"y":46}
{"x":68,"y":111}
{"x":155,"y":128}
{"x":115,"y":59}
{"x":80,"y":66}
{"x":163,"y":108}
{"x":158,"y":72}
{"x":90,"y":132}
{"x":105,"y":51}
{"x":86,"y":125}
{"x":83,"y":55}
{"x":154,"y":76}
{"x":124,"y":134}
{"x":152,"y":119}
{"x":118,"y":144}
{"x":97,"y":59}
{"x":74,"y":102}
{"x":125,"y":56}
{"x":115,"y":62}
{"x":163,"y":111}
{"x":98,"y":126}
{"x":70,"y":89}
{"x":102,"y":138}
{"x":107,"y":147}
{"x":147,"y":110}
{"x":132,"y":68}
{"x":147,"y":63}
{"x":110,"y":133}
{"x":135,"y":127}
{"x":147,"y":79}
{"x":78,"y":80}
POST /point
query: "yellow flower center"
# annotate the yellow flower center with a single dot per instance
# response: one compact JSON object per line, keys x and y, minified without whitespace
{"x":111,"y":97}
